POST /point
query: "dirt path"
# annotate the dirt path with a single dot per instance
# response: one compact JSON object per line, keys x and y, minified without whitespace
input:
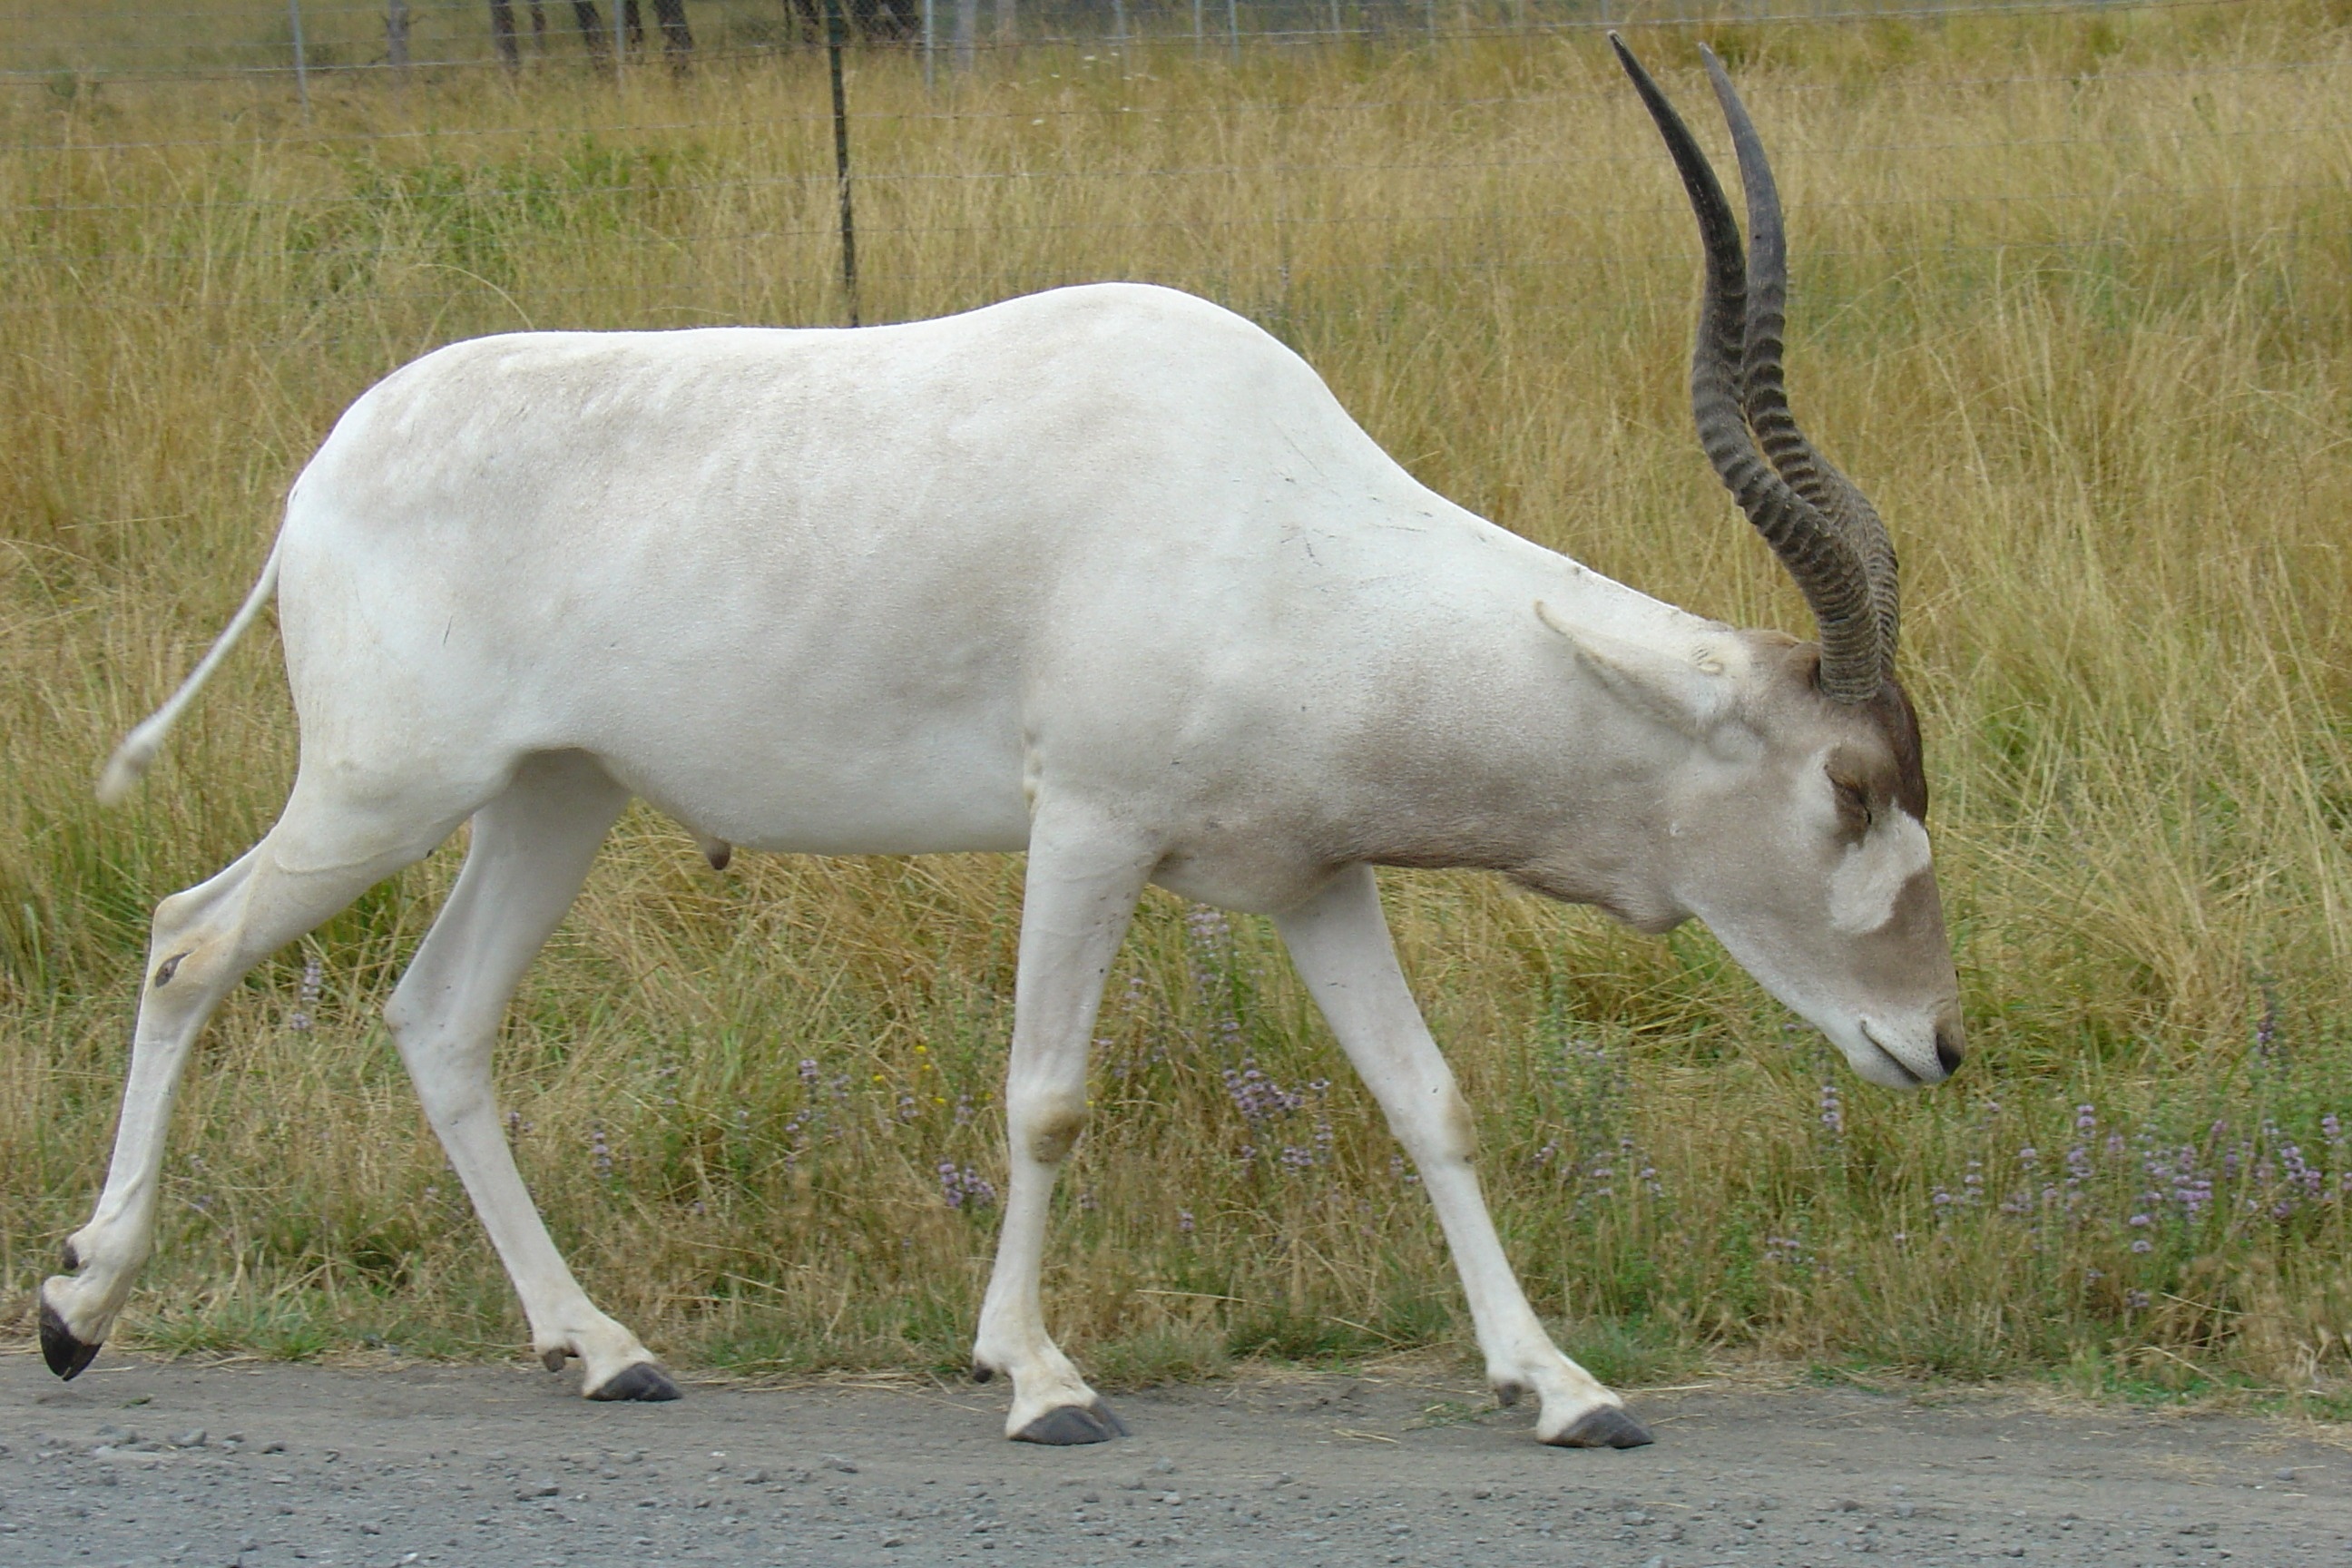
{"x":141,"y":1462}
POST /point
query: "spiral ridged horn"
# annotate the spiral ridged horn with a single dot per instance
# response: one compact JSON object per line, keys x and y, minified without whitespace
{"x":1765,"y":395}
{"x":1827,"y":536}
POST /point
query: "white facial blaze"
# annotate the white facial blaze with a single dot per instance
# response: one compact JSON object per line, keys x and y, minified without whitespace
{"x":1872,"y":874}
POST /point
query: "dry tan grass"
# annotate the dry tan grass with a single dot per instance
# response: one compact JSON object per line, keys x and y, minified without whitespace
{"x":2071,"y":301}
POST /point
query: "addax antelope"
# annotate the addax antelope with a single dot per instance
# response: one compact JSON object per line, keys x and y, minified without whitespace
{"x":1126,"y":590}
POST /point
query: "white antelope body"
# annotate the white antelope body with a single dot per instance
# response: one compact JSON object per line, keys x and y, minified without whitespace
{"x":1103,"y":575}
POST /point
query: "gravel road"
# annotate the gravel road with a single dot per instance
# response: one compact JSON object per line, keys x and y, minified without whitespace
{"x":142,"y":1462}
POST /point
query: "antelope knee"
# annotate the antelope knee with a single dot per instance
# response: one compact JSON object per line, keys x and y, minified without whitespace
{"x":414,"y":1033}
{"x":1456,"y":1127}
{"x":1441,"y":1132}
{"x":1053,"y":1130}
{"x":450,"y":1068}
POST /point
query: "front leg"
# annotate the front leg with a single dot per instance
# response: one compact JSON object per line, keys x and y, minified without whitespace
{"x":1083,"y":881}
{"x":1339,"y":941}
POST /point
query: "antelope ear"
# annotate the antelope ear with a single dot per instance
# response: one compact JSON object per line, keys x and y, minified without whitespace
{"x":1687,"y":689}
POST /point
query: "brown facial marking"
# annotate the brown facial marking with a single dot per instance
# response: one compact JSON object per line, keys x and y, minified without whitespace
{"x":1853,"y":805}
{"x":1899,"y":721}
{"x":1902,"y":777}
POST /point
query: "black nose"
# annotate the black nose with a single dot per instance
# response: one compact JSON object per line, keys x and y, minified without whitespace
{"x":1950,"y":1047}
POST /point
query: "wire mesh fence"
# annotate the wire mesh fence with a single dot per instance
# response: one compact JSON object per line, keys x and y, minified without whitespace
{"x":506,"y":163}
{"x":184,"y":38}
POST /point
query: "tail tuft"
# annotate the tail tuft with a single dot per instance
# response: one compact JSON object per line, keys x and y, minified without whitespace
{"x":130,"y":764}
{"x":137,"y":753}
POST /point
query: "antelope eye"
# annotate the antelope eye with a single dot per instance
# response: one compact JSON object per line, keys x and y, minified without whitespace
{"x":1854,"y":805}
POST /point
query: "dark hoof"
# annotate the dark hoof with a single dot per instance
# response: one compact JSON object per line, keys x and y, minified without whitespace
{"x":645,"y":1383}
{"x":1607,"y":1427}
{"x":1072,"y":1425}
{"x":67,"y":1355}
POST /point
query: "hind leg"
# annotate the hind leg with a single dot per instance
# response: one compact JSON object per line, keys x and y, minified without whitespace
{"x":323,"y":852}
{"x":531,"y":849}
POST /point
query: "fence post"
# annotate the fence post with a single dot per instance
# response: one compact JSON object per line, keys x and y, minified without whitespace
{"x":502,"y":33}
{"x":967,"y":32}
{"x":1234,"y":28}
{"x":301,"y":66}
{"x":833,"y":32}
{"x":396,"y":34}
{"x":620,"y":39}
{"x":931,"y":43}
{"x":677,"y":36}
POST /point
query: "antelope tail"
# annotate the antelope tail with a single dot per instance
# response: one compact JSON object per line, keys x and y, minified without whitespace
{"x":137,"y":753}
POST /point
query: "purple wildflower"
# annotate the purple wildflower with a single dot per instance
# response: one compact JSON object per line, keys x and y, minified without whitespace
{"x":964,"y":1186}
{"x":1260,"y":1098}
{"x":307,"y":998}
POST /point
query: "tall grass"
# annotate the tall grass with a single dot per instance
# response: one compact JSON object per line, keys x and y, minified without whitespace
{"x":2072,"y":299}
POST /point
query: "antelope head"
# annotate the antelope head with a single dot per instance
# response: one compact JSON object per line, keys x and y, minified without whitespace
{"x":1799,"y":832}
